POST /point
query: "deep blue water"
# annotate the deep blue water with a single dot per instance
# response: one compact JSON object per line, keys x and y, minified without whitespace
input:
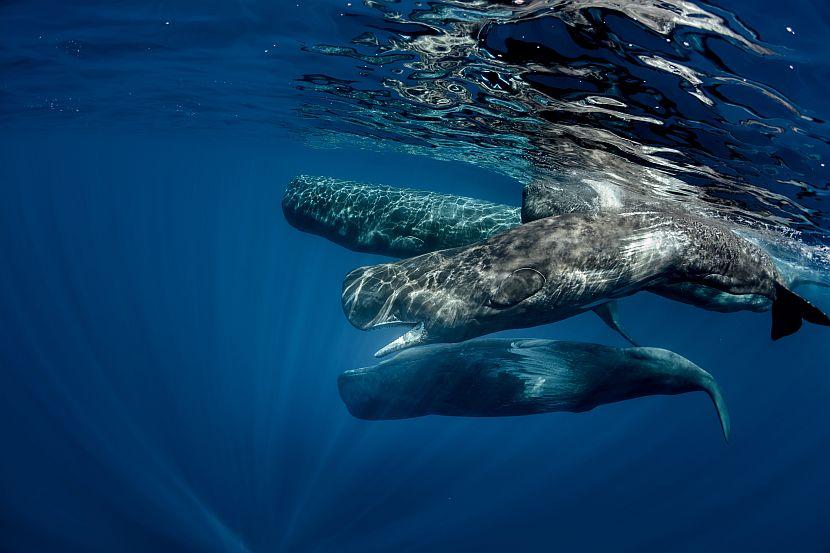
{"x":169,"y":345}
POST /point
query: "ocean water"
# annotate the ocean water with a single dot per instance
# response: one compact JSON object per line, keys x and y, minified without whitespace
{"x":170,"y":346}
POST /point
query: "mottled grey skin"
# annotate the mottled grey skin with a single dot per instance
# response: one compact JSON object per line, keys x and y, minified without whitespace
{"x":546,"y":199}
{"x":496,"y":378}
{"x":391,"y":221}
{"x":554,"y":268}
{"x":542,"y":199}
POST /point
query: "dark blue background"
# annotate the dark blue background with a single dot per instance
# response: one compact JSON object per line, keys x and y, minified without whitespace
{"x":169,"y":355}
{"x":169,"y":346}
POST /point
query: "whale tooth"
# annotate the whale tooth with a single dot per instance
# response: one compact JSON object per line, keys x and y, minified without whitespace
{"x":411,"y":338}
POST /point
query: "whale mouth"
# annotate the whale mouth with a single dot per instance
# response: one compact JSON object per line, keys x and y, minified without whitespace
{"x":371,"y":300}
{"x":368,"y":298}
{"x":415,"y":336}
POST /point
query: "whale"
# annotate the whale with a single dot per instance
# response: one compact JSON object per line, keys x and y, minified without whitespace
{"x":390,"y":221}
{"x":553,"y":268}
{"x":401,"y":222}
{"x":398,"y":222}
{"x":499,"y":378}
{"x":541,"y":199}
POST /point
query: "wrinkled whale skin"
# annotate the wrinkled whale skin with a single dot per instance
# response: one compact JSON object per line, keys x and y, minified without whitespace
{"x":494,"y":378}
{"x":385,"y":220}
{"x":554,"y":268}
{"x":546,"y":199}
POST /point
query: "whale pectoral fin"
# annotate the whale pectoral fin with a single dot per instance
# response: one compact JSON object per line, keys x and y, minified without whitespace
{"x":789,"y":309}
{"x":520,"y":285}
{"x":608,"y":313}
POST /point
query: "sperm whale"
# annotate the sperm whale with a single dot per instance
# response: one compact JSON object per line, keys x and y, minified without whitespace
{"x":557,"y":267}
{"x":541,"y":199}
{"x":400,"y":222}
{"x":385,"y":220}
{"x":496,"y":378}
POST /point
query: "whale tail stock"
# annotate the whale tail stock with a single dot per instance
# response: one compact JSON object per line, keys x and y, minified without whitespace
{"x":789,"y":310}
{"x":671,"y":373}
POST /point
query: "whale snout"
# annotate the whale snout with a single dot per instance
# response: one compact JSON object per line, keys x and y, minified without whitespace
{"x":373,"y":394}
{"x":303,"y":203}
{"x":359,"y":393}
{"x":368,"y":297}
{"x":375,"y":297}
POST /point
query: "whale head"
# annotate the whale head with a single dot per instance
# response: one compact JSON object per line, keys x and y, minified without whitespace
{"x":393,"y":295}
{"x":439,"y":299}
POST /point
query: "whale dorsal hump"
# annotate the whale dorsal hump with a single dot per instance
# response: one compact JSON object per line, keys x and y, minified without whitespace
{"x":520,"y":285}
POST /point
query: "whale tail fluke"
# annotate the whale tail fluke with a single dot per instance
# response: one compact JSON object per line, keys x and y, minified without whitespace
{"x":713,"y":390}
{"x":669,"y":373}
{"x":790,"y":309}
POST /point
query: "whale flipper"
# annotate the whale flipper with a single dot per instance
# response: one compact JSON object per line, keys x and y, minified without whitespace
{"x":608,"y":313}
{"x":788,"y":311}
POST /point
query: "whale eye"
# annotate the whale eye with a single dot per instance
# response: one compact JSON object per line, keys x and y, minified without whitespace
{"x":520,"y":285}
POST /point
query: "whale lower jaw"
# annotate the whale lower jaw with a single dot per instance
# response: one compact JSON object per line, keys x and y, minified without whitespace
{"x":390,"y":324}
{"x":415,"y":336}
